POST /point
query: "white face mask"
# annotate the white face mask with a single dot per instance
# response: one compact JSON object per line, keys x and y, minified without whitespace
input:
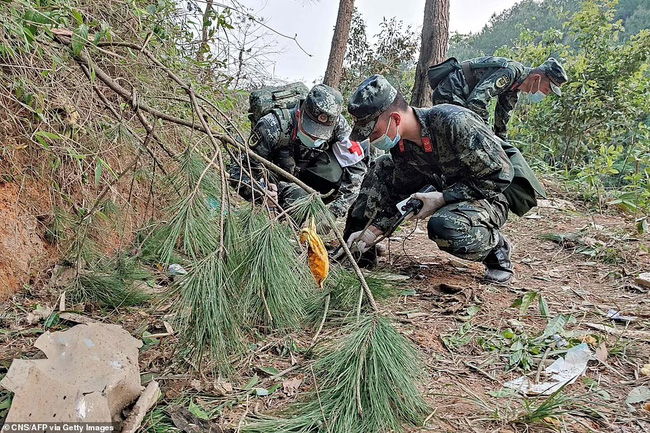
{"x":536,"y":97}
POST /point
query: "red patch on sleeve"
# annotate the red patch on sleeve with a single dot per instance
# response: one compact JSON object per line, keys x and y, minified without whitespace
{"x":426,"y":143}
{"x":355,"y":148}
{"x":401,"y":146}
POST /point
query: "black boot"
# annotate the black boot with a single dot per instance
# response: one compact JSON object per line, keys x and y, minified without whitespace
{"x":499,"y":268}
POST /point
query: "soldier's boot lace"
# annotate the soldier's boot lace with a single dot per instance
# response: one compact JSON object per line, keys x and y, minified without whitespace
{"x":499,"y":267}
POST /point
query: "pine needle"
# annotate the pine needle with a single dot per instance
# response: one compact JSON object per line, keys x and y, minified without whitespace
{"x":273,"y":276}
{"x":111,"y":283}
{"x":305,"y":208}
{"x":209,"y":319}
{"x":193,"y":229}
{"x":367,"y":386}
{"x":343,"y":286}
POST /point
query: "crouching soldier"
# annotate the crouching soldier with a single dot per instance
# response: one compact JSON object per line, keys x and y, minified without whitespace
{"x":448,"y":143}
{"x":310,"y":141}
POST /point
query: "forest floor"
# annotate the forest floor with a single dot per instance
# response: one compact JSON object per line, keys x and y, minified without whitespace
{"x":471,"y":338}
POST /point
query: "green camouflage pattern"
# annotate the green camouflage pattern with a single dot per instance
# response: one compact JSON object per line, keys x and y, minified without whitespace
{"x":321,"y":111}
{"x":276,"y":141}
{"x":495,"y":77}
{"x":372,"y":97}
{"x":262,"y":101}
{"x":474,"y":169}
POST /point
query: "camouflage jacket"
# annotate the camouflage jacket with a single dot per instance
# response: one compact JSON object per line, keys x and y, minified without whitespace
{"x":282,"y":147}
{"x":495,"y":77}
{"x":458,"y":148}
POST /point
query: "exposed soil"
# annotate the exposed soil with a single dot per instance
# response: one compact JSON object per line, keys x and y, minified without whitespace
{"x":22,"y":251}
{"x":449,"y":314}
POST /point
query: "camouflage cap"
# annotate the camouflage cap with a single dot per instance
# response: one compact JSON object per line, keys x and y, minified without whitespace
{"x":555,"y":73}
{"x":370,"y":99}
{"x":321,"y":110}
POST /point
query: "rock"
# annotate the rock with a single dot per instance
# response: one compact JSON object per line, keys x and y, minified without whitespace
{"x":91,"y":373}
{"x":643,"y":280}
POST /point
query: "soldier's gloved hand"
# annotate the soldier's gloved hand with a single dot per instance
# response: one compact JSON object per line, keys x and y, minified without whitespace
{"x":361,"y":241}
{"x":432,"y":201}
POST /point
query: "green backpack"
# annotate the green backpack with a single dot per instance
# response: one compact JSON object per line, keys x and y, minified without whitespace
{"x":266,"y":99}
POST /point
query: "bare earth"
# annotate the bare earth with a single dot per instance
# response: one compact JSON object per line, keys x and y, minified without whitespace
{"x":456,"y":321}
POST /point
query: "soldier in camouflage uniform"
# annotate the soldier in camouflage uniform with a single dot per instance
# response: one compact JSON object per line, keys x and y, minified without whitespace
{"x":445,"y":142}
{"x":473,"y":83}
{"x":310,"y":141}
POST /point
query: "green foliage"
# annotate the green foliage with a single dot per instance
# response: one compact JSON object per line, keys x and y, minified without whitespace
{"x":345,"y":290}
{"x":393,"y":55}
{"x":111,"y":282}
{"x":598,"y":129}
{"x":271,"y":273}
{"x":192,"y":229}
{"x":367,"y":385}
{"x":504,"y":29}
{"x":210,"y":321}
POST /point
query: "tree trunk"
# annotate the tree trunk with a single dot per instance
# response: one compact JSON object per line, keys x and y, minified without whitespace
{"x":435,"y":38}
{"x":204,"y":47}
{"x":334,"y":70}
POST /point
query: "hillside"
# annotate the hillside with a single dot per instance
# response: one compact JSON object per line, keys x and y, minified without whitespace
{"x":538,"y":16}
{"x":119,"y":210}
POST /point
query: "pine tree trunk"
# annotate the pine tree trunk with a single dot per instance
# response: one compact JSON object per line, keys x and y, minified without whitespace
{"x":334,"y":70}
{"x":435,"y":38}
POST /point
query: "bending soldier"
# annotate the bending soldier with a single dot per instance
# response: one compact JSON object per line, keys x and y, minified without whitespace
{"x":310,"y":141}
{"x":473,"y":83}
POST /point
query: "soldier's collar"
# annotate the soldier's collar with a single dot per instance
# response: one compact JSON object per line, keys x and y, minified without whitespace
{"x":521,"y":79}
{"x":421,"y":114}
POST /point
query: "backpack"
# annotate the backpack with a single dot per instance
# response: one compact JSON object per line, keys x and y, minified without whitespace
{"x":439,"y":72}
{"x":524,"y":188}
{"x":264,"y":100}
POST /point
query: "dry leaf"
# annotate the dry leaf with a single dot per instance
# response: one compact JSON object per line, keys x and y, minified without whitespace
{"x":61,"y":32}
{"x":290,"y":386}
{"x":318,"y":259}
{"x":645,"y":371}
{"x":222,"y":388}
{"x":602,"y":352}
{"x":589,"y":340}
{"x":643,"y":280}
{"x":196,"y":384}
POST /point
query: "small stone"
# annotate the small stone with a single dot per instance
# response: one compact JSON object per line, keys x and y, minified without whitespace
{"x":643,"y":280}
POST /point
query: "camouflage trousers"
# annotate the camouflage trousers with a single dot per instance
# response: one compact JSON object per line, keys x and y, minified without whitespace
{"x":467,"y":229}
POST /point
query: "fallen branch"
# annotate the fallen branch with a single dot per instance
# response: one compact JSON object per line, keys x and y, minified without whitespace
{"x":146,"y":401}
{"x":631,"y":334}
{"x":132,"y":100}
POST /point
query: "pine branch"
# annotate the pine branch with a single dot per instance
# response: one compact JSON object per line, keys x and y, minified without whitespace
{"x":128,"y":96}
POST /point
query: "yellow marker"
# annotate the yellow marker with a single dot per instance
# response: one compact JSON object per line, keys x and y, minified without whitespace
{"x":319,"y":263}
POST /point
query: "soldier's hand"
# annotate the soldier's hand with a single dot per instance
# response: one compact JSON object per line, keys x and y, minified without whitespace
{"x":432,"y":201}
{"x":361,"y":241}
{"x":271,"y":195}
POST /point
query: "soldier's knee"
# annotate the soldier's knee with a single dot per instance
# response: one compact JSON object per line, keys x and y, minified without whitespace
{"x":441,"y":227}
